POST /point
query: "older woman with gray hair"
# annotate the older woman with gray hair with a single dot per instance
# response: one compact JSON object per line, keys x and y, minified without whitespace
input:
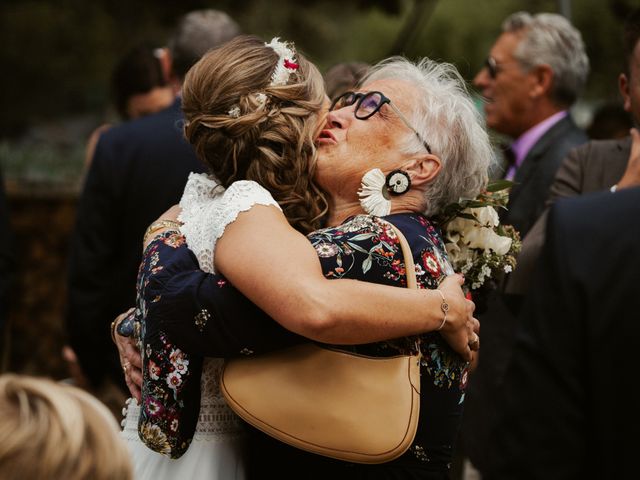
{"x":393,"y":153}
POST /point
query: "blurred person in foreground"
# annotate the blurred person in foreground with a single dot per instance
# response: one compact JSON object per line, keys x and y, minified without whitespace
{"x":595,"y":166}
{"x":562,"y":408}
{"x":534,"y":73}
{"x":139,"y":169}
{"x":394,"y":152}
{"x":53,"y":431}
{"x":139,"y":86}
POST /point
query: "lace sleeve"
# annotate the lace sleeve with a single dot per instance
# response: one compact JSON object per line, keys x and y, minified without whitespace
{"x":207,"y":209}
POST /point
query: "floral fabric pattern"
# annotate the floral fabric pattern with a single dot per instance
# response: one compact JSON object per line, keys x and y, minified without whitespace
{"x":367,"y":248}
{"x":363,"y":248}
{"x":171,"y":378}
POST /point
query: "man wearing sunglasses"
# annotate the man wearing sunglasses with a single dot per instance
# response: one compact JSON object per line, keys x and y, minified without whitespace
{"x":534,"y":73}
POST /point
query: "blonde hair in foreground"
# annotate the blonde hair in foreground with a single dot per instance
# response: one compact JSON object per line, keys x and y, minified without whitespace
{"x":270,"y":136}
{"x":53,"y":431}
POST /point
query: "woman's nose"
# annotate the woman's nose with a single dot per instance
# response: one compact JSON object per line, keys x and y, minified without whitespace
{"x":337,"y":118}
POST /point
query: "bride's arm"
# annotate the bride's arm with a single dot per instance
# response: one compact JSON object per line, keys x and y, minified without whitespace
{"x":278,"y":269}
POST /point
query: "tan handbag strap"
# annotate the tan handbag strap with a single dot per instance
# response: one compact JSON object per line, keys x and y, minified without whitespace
{"x":409,"y":266}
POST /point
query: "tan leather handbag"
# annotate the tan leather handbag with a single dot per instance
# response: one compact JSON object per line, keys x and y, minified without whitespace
{"x":330,"y":402}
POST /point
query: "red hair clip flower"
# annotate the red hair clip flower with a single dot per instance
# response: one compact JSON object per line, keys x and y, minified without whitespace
{"x":290,"y":65}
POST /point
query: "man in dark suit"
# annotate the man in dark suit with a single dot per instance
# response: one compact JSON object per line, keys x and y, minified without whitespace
{"x":595,"y":166}
{"x":139,"y":170}
{"x":562,"y":407}
{"x":534,"y":73}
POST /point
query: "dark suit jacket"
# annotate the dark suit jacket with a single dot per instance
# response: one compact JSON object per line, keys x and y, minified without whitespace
{"x":527,"y":201}
{"x":564,"y":408}
{"x":535,"y":175}
{"x":138,"y":171}
{"x":592,"y":167}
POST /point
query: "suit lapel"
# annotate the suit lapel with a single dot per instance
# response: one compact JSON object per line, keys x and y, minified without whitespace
{"x":615,"y":162}
{"x":532,"y":160}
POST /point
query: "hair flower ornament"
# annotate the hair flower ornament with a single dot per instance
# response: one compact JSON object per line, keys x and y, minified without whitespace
{"x":286,"y":63}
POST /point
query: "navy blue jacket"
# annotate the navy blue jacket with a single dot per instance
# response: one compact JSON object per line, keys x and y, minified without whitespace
{"x":566,"y":407}
{"x":138,"y":171}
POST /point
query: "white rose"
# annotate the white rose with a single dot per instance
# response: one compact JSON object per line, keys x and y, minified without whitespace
{"x":487,"y":239}
{"x":487,"y":216}
{"x":460,"y":225}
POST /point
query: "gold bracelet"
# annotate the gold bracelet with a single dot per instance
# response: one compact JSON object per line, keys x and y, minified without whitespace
{"x":159,"y":225}
{"x":444,"y":306}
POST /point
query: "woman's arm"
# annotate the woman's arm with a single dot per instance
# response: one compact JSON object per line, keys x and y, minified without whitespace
{"x":261,"y":250}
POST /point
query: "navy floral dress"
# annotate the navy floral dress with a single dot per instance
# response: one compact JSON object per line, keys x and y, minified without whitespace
{"x":204,"y":315}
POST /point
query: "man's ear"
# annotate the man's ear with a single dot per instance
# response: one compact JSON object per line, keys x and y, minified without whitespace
{"x":623,"y":85}
{"x":543,"y":79}
{"x":423,"y":169}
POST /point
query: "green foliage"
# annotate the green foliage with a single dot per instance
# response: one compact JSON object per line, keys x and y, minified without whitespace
{"x":38,"y":164}
{"x":57,"y":56}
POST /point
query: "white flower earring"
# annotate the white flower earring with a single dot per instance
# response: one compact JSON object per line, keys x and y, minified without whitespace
{"x":376,"y":187}
{"x":372,"y":193}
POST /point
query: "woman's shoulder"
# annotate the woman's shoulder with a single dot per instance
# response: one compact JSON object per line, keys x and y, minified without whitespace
{"x":204,"y":192}
{"x":248,"y":191}
{"x":416,"y":227}
{"x":207,"y":209}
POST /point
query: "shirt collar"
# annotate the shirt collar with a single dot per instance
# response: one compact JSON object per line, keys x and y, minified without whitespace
{"x":525,"y":142}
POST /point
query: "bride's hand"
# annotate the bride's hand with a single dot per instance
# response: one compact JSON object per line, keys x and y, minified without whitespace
{"x":461,"y":329}
{"x":130,"y":358}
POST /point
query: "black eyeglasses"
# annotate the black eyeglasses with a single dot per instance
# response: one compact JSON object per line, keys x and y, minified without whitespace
{"x":367,"y":104}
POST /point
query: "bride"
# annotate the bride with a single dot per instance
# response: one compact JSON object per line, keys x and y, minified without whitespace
{"x":253,"y":112}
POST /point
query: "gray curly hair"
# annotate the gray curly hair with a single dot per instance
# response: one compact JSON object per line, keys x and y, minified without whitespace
{"x":446,"y":116}
{"x":550,"y":39}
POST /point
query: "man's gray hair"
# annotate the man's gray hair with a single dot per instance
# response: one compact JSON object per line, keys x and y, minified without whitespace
{"x":548,"y":38}
{"x":445,"y":115}
{"x":197,"y":33}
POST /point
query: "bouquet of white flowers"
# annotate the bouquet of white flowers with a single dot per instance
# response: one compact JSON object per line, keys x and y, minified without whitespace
{"x":478,"y":245}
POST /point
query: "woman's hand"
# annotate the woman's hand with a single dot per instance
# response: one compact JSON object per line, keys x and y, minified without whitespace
{"x":461,"y":329}
{"x":130,"y":358}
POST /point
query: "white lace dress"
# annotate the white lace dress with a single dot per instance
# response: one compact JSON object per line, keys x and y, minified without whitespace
{"x":216,"y":452}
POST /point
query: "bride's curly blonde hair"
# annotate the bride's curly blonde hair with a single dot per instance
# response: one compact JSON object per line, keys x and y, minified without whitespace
{"x":243,"y":128}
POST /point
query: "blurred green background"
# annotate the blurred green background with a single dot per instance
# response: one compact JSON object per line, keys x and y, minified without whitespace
{"x":56,"y":56}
